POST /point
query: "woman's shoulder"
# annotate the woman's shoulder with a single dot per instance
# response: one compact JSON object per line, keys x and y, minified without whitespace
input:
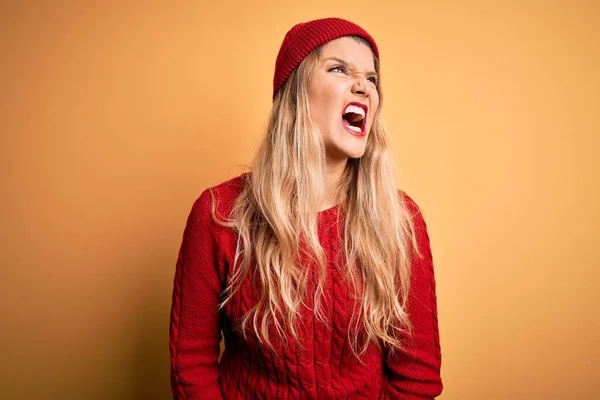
{"x":229,"y":190}
{"x":221,"y":197}
{"x":415,"y":211}
{"x":408,"y":202}
{"x":417,"y":216}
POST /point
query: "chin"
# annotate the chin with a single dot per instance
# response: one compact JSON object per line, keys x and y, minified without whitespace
{"x":345,"y":147}
{"x":354,"y":153}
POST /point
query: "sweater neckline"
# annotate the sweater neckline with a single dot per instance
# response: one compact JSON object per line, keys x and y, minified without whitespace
{"x":329,"y":210}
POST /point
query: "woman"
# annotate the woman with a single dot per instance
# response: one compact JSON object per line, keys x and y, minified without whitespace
{"x":314,"y":267}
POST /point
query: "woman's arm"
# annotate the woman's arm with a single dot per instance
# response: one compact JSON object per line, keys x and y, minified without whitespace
{"x":194,"y":331}
{"x":414,"y":372}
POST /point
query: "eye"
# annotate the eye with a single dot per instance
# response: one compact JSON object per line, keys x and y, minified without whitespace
{"x":373,"y":80}
{"x":340,"y":67}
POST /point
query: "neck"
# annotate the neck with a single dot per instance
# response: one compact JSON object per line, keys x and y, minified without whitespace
{"x":333,"y":173}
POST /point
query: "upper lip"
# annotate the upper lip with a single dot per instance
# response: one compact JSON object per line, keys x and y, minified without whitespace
{"x":358,"y":104}
{"x":361,"y":105}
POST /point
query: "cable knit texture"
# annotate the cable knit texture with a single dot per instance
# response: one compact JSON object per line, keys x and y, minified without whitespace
{"x":324,"y":368}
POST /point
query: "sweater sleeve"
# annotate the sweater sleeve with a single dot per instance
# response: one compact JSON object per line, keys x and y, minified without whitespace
{"x":194,"y":332}
{"x":414,"y":371}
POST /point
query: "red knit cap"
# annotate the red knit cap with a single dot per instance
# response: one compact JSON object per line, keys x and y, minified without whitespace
{"x":305,"y":37}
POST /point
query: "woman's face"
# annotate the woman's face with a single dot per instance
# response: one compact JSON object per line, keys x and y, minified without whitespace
{"x":343,"y":97}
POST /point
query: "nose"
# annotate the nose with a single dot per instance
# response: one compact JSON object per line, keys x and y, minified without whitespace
{"x":361,"y":85}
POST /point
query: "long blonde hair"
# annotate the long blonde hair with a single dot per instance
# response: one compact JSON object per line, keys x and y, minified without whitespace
{"x":277,"y":208}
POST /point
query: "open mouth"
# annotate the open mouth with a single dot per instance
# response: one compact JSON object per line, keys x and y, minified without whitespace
{"x":354,"y":118}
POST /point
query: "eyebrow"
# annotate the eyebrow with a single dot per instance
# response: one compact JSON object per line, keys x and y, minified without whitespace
{"x":346,"y":63}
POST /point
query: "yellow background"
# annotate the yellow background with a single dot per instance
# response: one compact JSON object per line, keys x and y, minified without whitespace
{"x":116,"y":115}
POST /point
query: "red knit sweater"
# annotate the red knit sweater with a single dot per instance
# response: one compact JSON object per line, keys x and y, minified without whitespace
{"x":325,"y":367}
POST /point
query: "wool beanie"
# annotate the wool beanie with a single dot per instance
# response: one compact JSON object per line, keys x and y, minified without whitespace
{"x":305,"y":37}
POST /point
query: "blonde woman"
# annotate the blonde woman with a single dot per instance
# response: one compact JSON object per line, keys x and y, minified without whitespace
{"x":313,"y":267}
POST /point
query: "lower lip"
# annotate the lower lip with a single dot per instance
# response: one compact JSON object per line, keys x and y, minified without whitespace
{"x":357,"y":134}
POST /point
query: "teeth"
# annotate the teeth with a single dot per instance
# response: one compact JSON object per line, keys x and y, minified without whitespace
{"x":353,"y":128}
{"x":355,"y":110}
